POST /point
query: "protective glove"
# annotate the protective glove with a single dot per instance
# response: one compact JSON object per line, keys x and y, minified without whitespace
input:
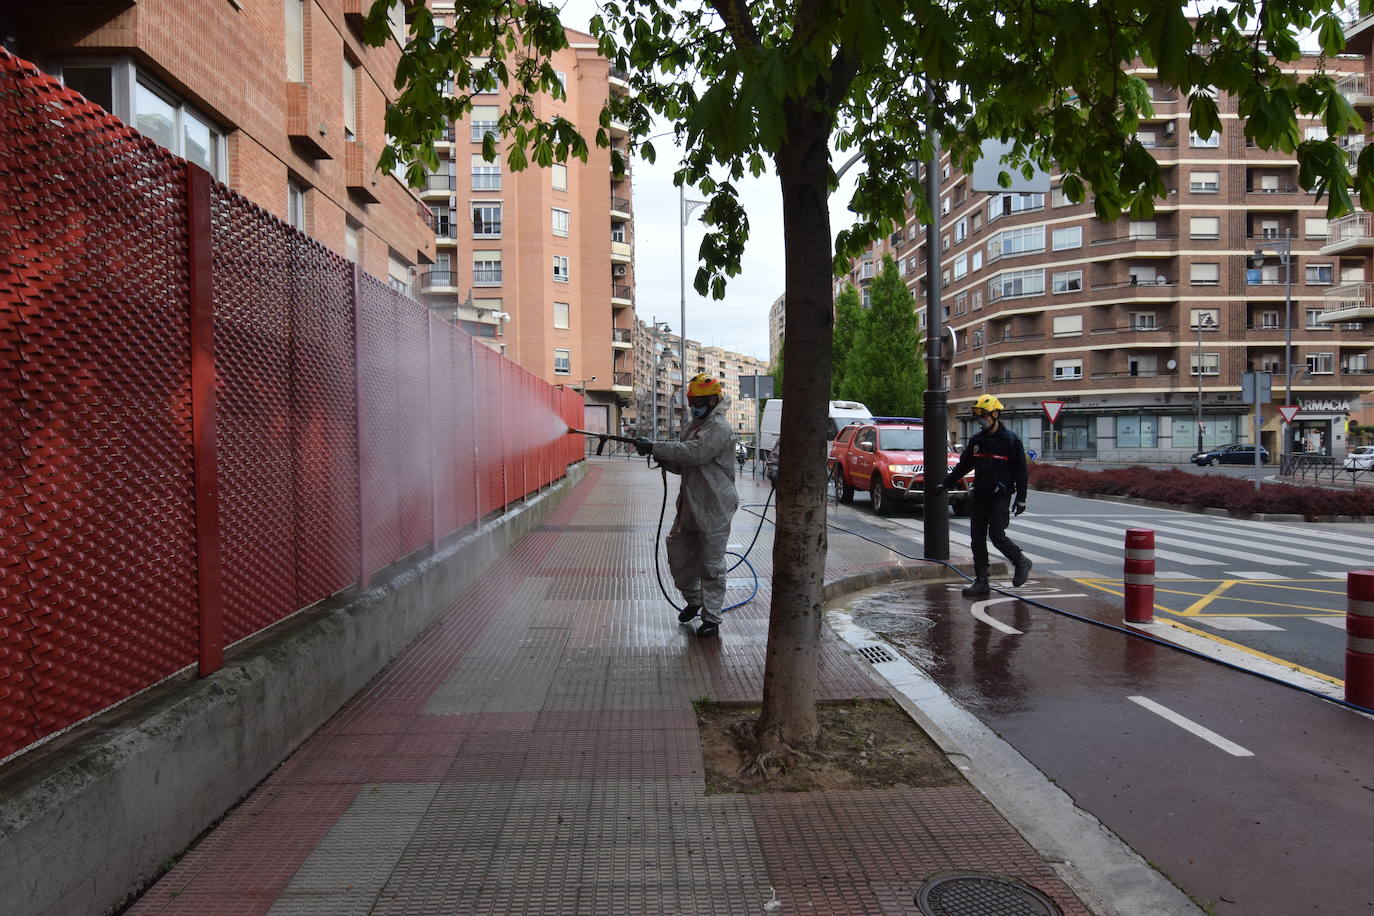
{"x":1018,"y":508}
{"x":644,"y":446}
{"x":942,"y":487}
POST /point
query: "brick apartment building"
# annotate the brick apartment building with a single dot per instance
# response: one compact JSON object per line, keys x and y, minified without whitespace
{"x":279,"y":99}
{"x":1144,"y":328}
{"x":538,"y":264}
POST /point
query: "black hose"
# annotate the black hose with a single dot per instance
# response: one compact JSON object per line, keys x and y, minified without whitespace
{"x":1097,"y":623}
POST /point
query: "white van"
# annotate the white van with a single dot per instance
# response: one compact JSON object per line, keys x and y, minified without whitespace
{"x":842,"y":414}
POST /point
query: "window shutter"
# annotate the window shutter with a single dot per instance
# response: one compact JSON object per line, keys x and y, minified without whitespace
{"x":295,"y":41}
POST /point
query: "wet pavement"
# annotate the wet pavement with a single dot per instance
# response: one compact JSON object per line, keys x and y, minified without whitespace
{"x":1250,"y":795}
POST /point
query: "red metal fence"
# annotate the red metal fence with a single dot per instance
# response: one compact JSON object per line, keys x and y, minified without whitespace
{"x":207,"y":420}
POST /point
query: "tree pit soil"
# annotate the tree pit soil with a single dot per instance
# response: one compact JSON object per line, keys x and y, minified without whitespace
{"x":866,"y":744}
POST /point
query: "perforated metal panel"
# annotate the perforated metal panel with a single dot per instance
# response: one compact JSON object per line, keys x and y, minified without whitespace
{"x":97,"y":536}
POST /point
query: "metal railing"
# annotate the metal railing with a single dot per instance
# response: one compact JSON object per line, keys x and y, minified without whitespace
{"x":620,"y":291}
{"x":622,"y":335}
{"x":620,"y":204}
{"x":1349,"y":228}
{"x":433,"y":278}
{"x":439,"y":183}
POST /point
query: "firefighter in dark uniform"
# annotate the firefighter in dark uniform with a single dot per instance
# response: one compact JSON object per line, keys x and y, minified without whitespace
{"x":996,"y":455}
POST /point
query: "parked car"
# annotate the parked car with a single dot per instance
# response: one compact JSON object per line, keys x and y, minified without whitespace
{"x":842,"y":414}
{"x":888,"y":460}
{"x":1359,"y":459}
{"x":1230,"y":454}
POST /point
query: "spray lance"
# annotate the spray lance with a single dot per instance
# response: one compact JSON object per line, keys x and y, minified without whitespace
{"x":602,"y":438}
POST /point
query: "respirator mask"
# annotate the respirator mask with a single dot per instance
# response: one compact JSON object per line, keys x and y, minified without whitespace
{"x":700,"y":410}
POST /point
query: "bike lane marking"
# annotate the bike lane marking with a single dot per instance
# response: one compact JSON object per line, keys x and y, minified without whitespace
{"x":977,"y":610}
{"x":1188,"y":725}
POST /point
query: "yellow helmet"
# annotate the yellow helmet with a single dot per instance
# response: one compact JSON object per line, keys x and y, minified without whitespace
{"x":987,"y":403}
{"x":703,"y":386}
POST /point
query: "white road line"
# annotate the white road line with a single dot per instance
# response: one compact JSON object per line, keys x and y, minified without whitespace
{"x":1341,"y":574}
{"x":1188,"y":725}
{"x":978,"y":612}
{"x":1288,"y":543}
{"x":1194,"y":548}
{"x":1285,"y":531}
{"x":1233,"y":623}
{"x":1258,"y":575}
{"x":1337,"y":622}
{"x":1058,"y":531}
{"x":1174,"y":574}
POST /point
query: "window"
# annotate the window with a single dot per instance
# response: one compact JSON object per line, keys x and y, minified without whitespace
{"x":1321,"y":363}
{"x":1269,"y":228}
{"x":484,"y":118}
{"x":490,"y":306}
{"x":961,"y":303}
{"x":486,"y":176}
{"x":1269,"y":321}
{"x":160,"y":116}
{"x":560,"y":223}
{"x":977,"y":299}
{"x":1314,"y":322}
{"x":560,"y":268}
{"x":561,"y":312}
{"x":1070,"y":281}
{"x":944,"y":205}
{"x":1142,"y":229}
{"x":350,"y":99}
{"x":1071,"y":237}
{"x":1204,"y":182}
{"x":398,"y":274}
{"x":961,"y":229}
{"x":1316,"y":132}
{"x":1016,"y":241}
{"x":1204,"y":227}
{"x":443,"y":221}
{"x":977,"y":378}
{"x":617,"y":231}
{"x":559,"y":171}
{"x":1267,"y":275}
{"x":295,"y":41}
{"x":1136,"y":431}
{"x":1204,"y":274}
{"x":562,"y":80}
{"x":1143,"y":321}
{"x":1009,"y":204}
{"x":562,"y":362}
{"x":960,"y":266}
{"x":1068,"y":325}
{"x":944,"y":242}
{"x":1270,"y":362}
{"x":1016,"y":283}
{"x":295,"y":204}
{"x":1320,"y":274}
{"x":1198,"y":142}
{"x":1209,"y":319}
{"x":1315,"y":227}
{"x":352,"y":239}
{"x":976,"y":339}
{"x":486,"y":220}
{"x":978,"y":259}
{"x":1059,"y":198}
{"x":1068,"y":368}
{"x":1210,"y":363}
{"x":486,"y":268}
{"x":1147,"y":138}
{"x":1356,"y":364}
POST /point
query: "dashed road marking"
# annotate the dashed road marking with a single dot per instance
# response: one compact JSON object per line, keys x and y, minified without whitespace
{"x":1234,"y":623}
{"x":1333,"y":621}
{"x":1188,"y":725}
{"x":1262,"y":575}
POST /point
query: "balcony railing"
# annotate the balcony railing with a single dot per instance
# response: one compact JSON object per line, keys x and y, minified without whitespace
{"x":620,"y":291}
{"x":431,"y":279}
{"x":623,"y":379}
{"x":439,"y":183}
{"x":1349,"y":228}
{"x":1134,"y":238}
{"x":486,"y":276}
{"x":443,"y":228}
{"x":1158,"y":281}
{"x":620,"y":204}
{"x":1352,"y":302}
{"x":1277,"y":189}
{"x":622,"y":335}
{"x":1132,"y":328}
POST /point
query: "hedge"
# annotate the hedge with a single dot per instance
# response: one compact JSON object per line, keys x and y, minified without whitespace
{"x":1204,"y":491}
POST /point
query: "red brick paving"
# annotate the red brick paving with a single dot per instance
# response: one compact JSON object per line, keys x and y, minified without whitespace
{"x":545,"y":730}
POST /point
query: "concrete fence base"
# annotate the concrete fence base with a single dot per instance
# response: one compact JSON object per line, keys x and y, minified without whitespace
{"x":87,"y":819}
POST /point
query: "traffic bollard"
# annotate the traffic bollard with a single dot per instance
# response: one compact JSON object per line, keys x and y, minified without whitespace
{"x":1359,"y":636}
{"x":1139,"y":571}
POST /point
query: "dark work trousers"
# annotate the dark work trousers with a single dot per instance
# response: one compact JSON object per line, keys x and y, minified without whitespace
{"x":988,"y":518}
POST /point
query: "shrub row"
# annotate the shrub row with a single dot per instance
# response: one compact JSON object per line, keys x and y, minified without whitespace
{"x":1204,"y":491}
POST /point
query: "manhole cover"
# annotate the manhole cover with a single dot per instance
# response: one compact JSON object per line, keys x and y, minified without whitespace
{"x":969,"y":894}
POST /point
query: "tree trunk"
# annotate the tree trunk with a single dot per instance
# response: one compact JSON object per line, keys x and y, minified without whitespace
{"x":799,"y":545}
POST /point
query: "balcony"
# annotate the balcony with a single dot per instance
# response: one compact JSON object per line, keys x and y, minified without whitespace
{"x":360,"y":173}
{"x":622,"y":338}
{"x":486,"y":276}
{"x":439,"y":281}
{"x":1348,"y":303}
{"x":621,"y":252}
{"x":621,"y":206}
{"x":622,"y":381}
{"x":438,"y":186}
{"x":304,"y":125}
{"x":1355,"y":88}
{"x":443,"y":233}
{"x":1159,"y":288}
{"x":622,"y":294}
{"x":1349,"y":233}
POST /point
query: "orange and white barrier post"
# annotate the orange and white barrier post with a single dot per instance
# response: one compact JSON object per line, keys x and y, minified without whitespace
{"x":1359,"y":636}
{"x":1140,"y":575}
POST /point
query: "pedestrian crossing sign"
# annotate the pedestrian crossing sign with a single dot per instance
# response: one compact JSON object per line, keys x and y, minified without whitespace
{"x":1288,"y":412}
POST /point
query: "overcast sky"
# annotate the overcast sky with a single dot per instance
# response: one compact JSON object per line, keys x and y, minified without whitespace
{"x":740,"y":320}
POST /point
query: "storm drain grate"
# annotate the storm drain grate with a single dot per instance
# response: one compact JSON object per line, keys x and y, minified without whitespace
{"x":971,"y":894}
{"x":877,"y":654}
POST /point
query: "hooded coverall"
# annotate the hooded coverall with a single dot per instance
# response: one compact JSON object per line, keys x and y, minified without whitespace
{"x":706,"y":502}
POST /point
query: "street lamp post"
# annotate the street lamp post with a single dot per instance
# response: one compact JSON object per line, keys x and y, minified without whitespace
{"x":1284,"y":250}
{"x":686,"y":208}
{"x":1198,"y":369}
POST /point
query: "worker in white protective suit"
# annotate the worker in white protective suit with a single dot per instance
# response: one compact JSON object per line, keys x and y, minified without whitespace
{"x":706,"y":502}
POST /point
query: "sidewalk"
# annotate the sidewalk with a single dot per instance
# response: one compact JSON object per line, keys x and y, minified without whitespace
{"x":536,"y":752}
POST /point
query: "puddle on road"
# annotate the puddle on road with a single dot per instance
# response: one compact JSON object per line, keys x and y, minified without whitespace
{"x":900,"y":617}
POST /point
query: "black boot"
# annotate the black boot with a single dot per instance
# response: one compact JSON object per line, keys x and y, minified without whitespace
{"x":689,"y":613}
{"x":708,"y":628}
{"x":978,"y":588}
{"x":1022,"y":572}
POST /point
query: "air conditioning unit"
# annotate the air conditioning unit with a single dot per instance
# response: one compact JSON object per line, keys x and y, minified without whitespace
{"x":1169,"y":129}
{"x":620,"y":270}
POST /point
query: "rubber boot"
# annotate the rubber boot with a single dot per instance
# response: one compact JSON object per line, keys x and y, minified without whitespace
{"x":978,"y":588}
{"x":1022,"y":573}
{"x":689,"y":613}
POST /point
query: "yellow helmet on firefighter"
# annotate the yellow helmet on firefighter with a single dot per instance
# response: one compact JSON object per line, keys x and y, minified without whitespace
{"x":703,"y":385}
{"x":987,"y":404}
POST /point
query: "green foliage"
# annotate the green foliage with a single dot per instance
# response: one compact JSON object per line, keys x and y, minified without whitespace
{"x":776,"y":371}
{"x":885,"y":369}
{"x":848,"y":318}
